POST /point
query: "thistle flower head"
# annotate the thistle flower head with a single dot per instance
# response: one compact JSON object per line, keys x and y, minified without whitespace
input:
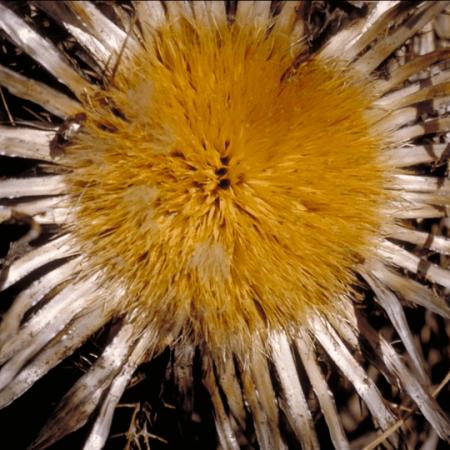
{"x":218,"y":188}
{"x":219,"y":179}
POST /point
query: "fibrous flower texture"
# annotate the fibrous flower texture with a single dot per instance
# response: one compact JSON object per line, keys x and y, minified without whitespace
{"x":211,"y":181}
{"x":218,"y":186}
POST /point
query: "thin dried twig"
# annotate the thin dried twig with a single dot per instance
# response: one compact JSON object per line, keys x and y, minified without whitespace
{"x":137,"y":431}
{"x":8,"y":112}
{"x":382,"y":437}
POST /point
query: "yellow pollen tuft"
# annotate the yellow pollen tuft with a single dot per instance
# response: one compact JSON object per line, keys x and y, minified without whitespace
{"x":226,"y":197}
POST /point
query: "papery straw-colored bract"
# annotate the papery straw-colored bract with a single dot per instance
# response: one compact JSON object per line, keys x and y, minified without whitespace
{"x":219,"y":188}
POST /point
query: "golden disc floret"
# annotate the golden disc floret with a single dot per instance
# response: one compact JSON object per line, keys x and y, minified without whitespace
{"x":226,"y":193}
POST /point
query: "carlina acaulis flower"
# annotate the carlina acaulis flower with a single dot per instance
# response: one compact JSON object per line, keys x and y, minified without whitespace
{"x":214,"y":186}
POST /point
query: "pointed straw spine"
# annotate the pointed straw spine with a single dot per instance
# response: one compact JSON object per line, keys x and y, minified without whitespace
{"x":99,"y":433}
{"x":293,"y":399}
{"x":305,"y":348}
{"x":53,"y":101}
{"x":365,"y":387}
{"x":55,"y":250}
{"x":41,"y":50}
{"x":384,"y":48}
{"x":80,"y":402}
